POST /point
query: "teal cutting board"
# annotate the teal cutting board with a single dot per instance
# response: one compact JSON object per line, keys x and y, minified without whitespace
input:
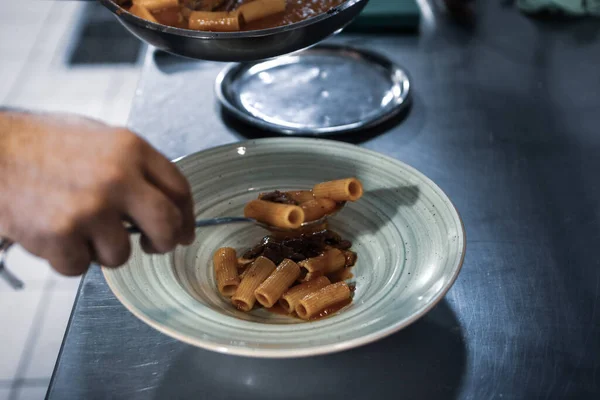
{"x":387,"y":15}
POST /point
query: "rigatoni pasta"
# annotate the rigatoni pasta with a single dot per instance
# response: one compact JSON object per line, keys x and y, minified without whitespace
{"x":349,"y":189}
{"x":327,"y":262}
{"x":156,"y":5}
{"x":214,"y":21}
{"x":142,"y":12}
{"x":226,"y":270}
{"x":243,"y":298}
{"x":277,"y":283}
{"x":259,"y":9}
{"x":330,"y":296}
{"x":323,"y":200}
{"x":318,"y":208}
{"x":301,"y":196}
{"x":275,"y":214}
{"x":279,"y":272}
{"x":290,"y":299}
{"x":301,"y":272}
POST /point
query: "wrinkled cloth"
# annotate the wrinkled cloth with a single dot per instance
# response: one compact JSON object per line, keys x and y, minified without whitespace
{"x":569,"y":7}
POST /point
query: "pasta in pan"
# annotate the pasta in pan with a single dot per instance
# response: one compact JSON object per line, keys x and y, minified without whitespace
{"x":142,"y":12}
{"x":214,"y":21}
{"x":303,"y":275}
{"x":227,"y":15}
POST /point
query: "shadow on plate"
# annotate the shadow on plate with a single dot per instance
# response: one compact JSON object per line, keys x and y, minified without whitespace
{"x":246,"y":131}
{"x":403,"y":196}
{"x":394,"y":198}
{"x":424,"y":361}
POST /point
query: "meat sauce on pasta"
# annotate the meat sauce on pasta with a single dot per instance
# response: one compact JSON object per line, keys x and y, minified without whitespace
{"x":300,"y":274}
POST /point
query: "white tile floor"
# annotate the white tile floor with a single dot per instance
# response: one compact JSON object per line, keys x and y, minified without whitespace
{"x":35,"y":38}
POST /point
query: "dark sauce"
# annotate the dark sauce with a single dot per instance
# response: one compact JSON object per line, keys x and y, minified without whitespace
{"x":278,"y":197}
{"x":351,"y":258}
{"x":341,"y":275}
{"x":352,"y":287}
{"x":297,"y":248}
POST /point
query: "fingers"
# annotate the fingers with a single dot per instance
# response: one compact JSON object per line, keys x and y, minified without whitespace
{"x":167,"y":178}
{"x":63,"y":246}
{"x":71,"y":258}
{"x":110,"y":240}
{"x":157,"y":217}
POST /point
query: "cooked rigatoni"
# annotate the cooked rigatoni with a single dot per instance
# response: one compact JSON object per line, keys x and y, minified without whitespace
{"x":290,"y":299}
{"x":275,"y":214}
{"x":243,"y":272}
{"x":243,"y":298}
{"x":277,"y":283}
{"x":214,"y":21}
{"x":330,"y":296}
{"x":317,"y":208}
{"x":226,"y":273}
{"x":155,"y":5}
{"x":349,"y":189}
{"x":301,"y":196}
{"x":312,"y":286}
{"x":340,"y":275}
{"x":259,"y":9}
{"x":330,"y":261}
{"x":142,"y":12}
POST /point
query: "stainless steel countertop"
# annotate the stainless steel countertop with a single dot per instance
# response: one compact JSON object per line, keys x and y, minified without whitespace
{"x":506,"y":119}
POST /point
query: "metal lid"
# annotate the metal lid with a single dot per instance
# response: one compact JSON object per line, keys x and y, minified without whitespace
{"x":325,"y":90}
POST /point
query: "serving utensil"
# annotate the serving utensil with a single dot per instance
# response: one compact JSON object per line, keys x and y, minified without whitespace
{"x":17,"y":284}
{"x":237,"y":220}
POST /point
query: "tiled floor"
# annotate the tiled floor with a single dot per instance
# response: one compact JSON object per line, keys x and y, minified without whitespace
{"x":37,"y":40}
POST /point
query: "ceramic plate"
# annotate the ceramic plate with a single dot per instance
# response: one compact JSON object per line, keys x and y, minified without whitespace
{"x":409,"y":239}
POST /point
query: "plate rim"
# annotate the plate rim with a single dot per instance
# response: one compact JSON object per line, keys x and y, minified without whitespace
{"x":315,"y":350}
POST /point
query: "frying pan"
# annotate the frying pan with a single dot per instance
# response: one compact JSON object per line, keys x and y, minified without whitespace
{"x":239,"y":46}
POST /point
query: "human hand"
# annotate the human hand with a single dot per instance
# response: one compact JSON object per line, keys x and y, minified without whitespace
{"x":67,"y":184}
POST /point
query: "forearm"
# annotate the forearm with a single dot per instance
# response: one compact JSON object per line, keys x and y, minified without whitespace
{"x":6,"y":124}
{"x":11,"y":122}
{"x":67,"y":183}
{"x":8,"y":119}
